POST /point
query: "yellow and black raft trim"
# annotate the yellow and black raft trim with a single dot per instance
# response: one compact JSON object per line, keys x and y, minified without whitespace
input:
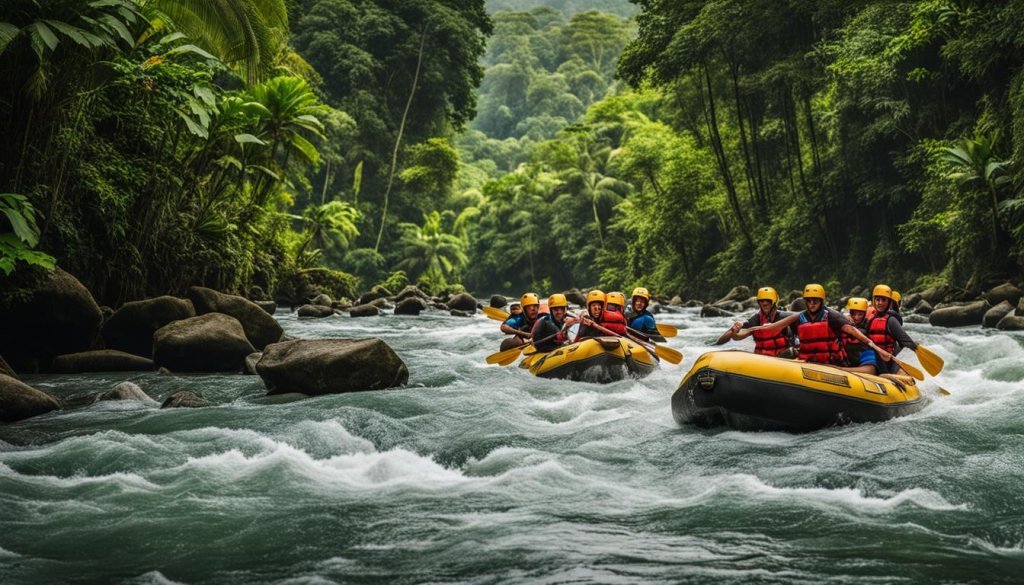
{"x":753,"y":392}
{"x":595,"y":359}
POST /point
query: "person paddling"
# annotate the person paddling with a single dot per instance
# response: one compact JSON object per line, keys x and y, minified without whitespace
{"x":820,"y":330}
{"x":639,"y":318}
{"x":549,"y":331}
{"x":613,"y":318}
{"x":862,"y":358}
{"x":766,"y":342}
{"x":519,"y":326}
{"x":595,"y":312}
{"x":885,"y":328}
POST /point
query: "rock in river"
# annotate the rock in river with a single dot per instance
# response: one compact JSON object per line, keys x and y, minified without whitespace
{"x":259,"y":327}
{"x":132,"y":326}
{"x":100,"y":360}
{"x":19,"y":400}
{"x":959,"y":315}
{"x":330,"y":366}
{"x":213,"y":342}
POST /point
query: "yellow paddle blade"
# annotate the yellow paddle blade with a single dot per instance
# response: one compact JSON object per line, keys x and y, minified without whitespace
{"x":508,"y":361}
{"x":496,"y":314}
{"x":668,"y":354}
{"x":530,"y":350}
{"x":914,"y":372}
{"x":932,"y":363}
{"x":501,"y":356}
{"x":667,"y":330}
{"x":943,"y":391}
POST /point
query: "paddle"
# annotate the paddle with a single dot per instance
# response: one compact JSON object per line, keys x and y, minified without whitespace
{"x":666,"y":353}
{"x":916,"y":374}
{"x":932,"y":363}
{"x":666,"y":330}
{"x":504,"y":358}
{"x":647,"y":336}
{"x":496,"y":314}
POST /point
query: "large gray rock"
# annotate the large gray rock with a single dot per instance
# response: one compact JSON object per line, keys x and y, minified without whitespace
{"x":1004,"y":292}
{"x":213,"y":342}
{"x":574,"y":296}
{"x":330,"y":366}
{"x":100,"y":360}
{"x":1011,"y":322}
{"x":59,"y":316}
{"x":713,"y":311}
{"x":410,"y":306}
{"x":364,"y":311}
{"x":923,"y":307}
{"x":125,"y":391}
{"x":259,"y":327}
{"x":462,"y":302}
{"x":911,"y":301}
{"x":20,"y":401}
{"x":131,"y":327}
{"x":315,"y":311}
{"x":184,"y":399}
{"x":915,"y":318}
{"x":960,"y":315}
{"x":411,"y":291}
{"x":738,"y":293}
{"x":251,"y":360}
{"x":498,"y":301}
{"x":996,"y":314}
{"x":676,"y":300}
{"x":321,"y":300}
{"x":458,"y":313}
{"x":730,"y":306}
{"x":269,"y":306}
{"x":377,"y":292}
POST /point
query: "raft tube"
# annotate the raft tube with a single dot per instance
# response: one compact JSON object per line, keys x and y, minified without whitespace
{"x":753,"y":392}
{"x":596,"y":359}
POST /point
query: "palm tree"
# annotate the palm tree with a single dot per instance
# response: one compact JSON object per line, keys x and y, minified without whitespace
{"x":334,"y":219}
{"x":430,"y":251}
{"x":589,"y":179}
{"x":976,"y":162}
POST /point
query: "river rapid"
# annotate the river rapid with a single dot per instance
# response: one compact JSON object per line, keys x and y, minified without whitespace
{"x":481,"y":474}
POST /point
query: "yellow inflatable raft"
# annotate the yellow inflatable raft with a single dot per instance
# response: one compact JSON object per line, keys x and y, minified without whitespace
{"x":747,"y":391}
{"x":597,"y":359}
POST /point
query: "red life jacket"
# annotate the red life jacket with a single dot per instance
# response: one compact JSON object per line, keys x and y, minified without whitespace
{"x":851,"y":342}
{"x":614,"y":321}
{"x":878,"y":331}
{"x":770,"y":342}
{"x":818,"y":343}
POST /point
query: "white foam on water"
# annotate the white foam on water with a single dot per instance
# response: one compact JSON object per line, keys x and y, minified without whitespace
{"x":125,"y":481}
{"x":1015,"y":550}
{"x":6,"y":554}
{"x":155,"y":578}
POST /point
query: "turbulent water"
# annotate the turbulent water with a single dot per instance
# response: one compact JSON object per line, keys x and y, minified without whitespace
{"x":482,"y":474}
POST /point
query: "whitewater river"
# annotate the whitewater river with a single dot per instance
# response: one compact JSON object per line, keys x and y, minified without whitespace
{"x":482,"y":474}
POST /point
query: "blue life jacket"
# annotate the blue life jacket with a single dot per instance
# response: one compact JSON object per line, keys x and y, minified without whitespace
{"x":643,"y":321}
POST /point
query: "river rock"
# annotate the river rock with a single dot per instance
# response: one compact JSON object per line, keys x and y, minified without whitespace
{"x":20,"y":401}
{"x":911,"y":301}
{"x":377,"y":292}
{"x":1011,"y":322}
{"x":576,"y":297}
{"x":797,"y":305}
{"x":59,"y":316}
{"x":654,"y":308}
{"x":713,"y":311}
{"x":331,"y":366}
{"x":738,"y":293}
{"x":364,"y":311}
{"x":125,"y":391}
{"x":251,"y":360}
{"x":960,"y":315}
{"x":1004,"y":292}
{"x":269,"y":306}
{"x":923,"y":307}
{"x":131,"y":327}
{"x":411,"y":291}
{"x":6,"y":369}
{"x":498,"y":301}
{"x":321,"y":300}
{"x":260,"y":328}
{"x":184,"y":399}
{"x":676,"y":300}
{"x":100,"y":360}
{"x":213,"y":342}
{"x":315,"y":311}
{"x":438,"y":306}
{"x":458,"y":313}
{"x":730,"y":306}
{"x":692,"y":303}
{"x":996,"y":313}
{"x":410,"y":306}
{"x":462,"y":302}
{"x":915,"y":318}
{"x":381,"y":303}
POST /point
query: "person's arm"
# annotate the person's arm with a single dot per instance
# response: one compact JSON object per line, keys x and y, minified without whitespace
{"x":776,"y":326}
{"x":852,"y":331}
{"x":900,"y":334}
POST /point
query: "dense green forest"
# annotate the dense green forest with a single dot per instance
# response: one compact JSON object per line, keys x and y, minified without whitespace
{"x":687,"y":146}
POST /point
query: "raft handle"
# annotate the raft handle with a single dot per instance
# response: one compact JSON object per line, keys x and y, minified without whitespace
{"x":706,"y":380}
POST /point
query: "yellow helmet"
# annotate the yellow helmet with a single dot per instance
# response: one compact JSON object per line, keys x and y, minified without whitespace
{"x":595,"y":296}
{"x":857,"y":304}
{"x":557,"y":300}
{"x":814,"y":291}
{"x":767,"y":293}
{"x":882,"y":290}
{"x":896,"y":296}
{"x":529,"y":299}
{"x":615,"y":298}
{"x":641,"y":292}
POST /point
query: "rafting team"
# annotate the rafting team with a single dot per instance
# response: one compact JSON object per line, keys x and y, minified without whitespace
{"x":864,"y":342}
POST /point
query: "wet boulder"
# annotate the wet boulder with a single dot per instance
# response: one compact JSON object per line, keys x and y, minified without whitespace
{"x":713,"y":311}
{"x":131,"y":327}
{"x":676,"y":300}
{"x":410,"y":306}
{"x":260,"y":328}
{"x":100,"y":360}
{"x":996,"y":314}
{"x":1011,"y":322}
{"x":1005,"y":292}
{"x":184,"y":399}
{"x":377,"y":292}
{"x":462,"y":302}
{"x":915,"y":318}
{"x":381,"y":303}
{"x":458,"y":313}
{"x":961,"y":315}
{"x":213,"y":342}
{"x":251,"y":360}
{"x":315,"y":311}
{"x":923,"y":307}
{"x":125,"y":391}
{"x":738,"y":293}
{"x":58,"y":316}
{"x":410,"y":292}
{"x":331,"y":366}
{"x":730,"y":306}
{"x":911,"y":301}
{"x":20,"y":401}
{"x":364,"y":311}
{"x":498,"y":301}
{"x":321,"y":300}
{"x":269,"y":306}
